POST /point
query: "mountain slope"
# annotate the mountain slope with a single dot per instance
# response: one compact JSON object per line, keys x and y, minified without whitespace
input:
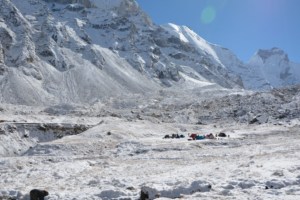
{"x":46,"y":62}
{"x":220,"y":56}
{"x":77,"y":51}
{"x":57,"y":51}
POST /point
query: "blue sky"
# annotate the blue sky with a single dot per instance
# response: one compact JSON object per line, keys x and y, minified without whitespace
{"x":243,"y":26}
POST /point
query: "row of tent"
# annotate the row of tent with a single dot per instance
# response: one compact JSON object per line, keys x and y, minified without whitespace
{"x":174,"y":136}
{"x":195,"y":136}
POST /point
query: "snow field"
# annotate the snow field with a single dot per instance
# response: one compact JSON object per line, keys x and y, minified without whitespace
{"x":134,"y":157}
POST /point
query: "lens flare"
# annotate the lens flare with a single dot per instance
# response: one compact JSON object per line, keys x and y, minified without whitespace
{"x":208,"y":15}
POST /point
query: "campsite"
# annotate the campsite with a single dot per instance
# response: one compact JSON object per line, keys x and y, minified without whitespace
{"x":120,"y":159}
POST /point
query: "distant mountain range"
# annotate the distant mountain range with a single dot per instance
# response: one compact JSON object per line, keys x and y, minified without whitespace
{"x":78,"y":51}
{"x":265,"y":70}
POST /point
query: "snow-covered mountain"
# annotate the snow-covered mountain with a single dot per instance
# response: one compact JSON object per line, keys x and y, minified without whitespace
{"x":54,"y":51}
{"x":275,"y":66}
{"x":77,"y":51}
{"x":219,"y":56}
{"x":46,"y":61}
{"x":265,"y":70}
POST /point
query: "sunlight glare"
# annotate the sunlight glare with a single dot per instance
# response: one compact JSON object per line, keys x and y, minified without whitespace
{"x":208,"y":15}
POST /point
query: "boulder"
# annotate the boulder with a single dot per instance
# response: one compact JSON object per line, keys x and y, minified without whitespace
{"x":253,"y":121}
{"x":263,"y":119}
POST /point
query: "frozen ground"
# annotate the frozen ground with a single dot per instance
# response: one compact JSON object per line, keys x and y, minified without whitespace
{"x":113,"y":148}
{"x":117,"y":159}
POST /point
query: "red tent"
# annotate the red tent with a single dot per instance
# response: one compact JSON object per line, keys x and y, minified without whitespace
{"x":193,"y":135}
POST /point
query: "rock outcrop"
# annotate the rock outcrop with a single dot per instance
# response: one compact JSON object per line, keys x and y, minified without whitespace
{"x":86,"y":3}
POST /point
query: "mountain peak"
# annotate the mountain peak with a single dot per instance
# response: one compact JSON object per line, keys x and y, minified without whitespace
{"x":267,"y":53}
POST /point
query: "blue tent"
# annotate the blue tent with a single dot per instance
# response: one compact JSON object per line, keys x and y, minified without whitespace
{"x":199,"y":137}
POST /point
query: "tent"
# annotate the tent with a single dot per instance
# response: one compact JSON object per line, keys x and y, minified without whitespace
{"x":222,"y":135}
{"x":199,"y":137}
